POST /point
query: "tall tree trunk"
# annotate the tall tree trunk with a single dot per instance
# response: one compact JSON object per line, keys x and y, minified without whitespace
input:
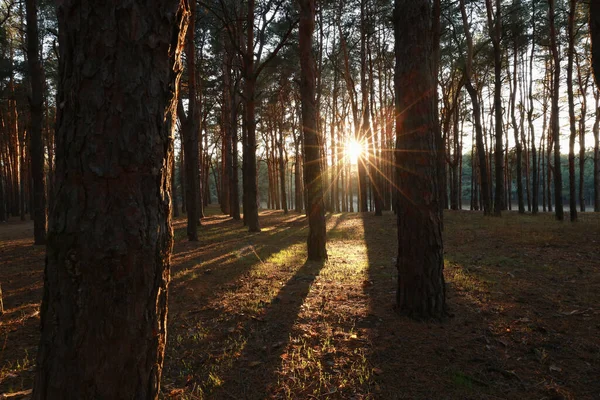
{"x":420,"y":262}
{"x":234,"y":191}
{"x":225,"y":200}
{"x":250,"y":185}
{"x":518,"y":143}
{"x":36,"y":102}
{"x":534,"y":155}
{"x":190,"y":135}
{"x":110,"y":235}
{"x":315,"y":206}
{"x":572,"y":122}
{"x":558,"y":201}
{"x":365,"y":126}
{"x":596,"y":130}
{"x":282,"y":163}
{"x":495,"y":27}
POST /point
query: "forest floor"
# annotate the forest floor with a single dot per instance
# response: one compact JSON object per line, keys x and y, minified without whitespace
{"x":250,"y":319}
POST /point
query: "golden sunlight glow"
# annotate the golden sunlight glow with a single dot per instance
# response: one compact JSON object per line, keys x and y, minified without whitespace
{"x":353,"y":150}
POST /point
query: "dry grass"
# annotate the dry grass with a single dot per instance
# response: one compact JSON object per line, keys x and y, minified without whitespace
{"x":249,"y":318}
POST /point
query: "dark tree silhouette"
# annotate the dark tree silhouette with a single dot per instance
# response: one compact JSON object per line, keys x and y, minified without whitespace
{"x":420,"y":262}
{"x":36,"y":102}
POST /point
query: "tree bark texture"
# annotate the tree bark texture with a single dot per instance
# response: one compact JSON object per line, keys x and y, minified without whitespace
{"x":420,"y":262}
{"x":315,"y":206}
{"x":104,"y":307}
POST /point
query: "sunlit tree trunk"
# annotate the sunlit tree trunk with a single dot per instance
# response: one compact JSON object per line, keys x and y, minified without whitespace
{"x":315,"y":207}
{"x":104,"y":308}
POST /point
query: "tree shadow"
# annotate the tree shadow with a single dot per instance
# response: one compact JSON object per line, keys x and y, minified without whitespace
{"x":254,"y":372}
{"x":212,"y":344}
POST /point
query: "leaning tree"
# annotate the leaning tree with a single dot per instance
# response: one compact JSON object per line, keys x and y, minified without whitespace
{"x":104,"y":309}
{"x":420,"y":262}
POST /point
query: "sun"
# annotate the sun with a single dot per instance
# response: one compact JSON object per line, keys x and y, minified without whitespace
{"x":353,"y":150}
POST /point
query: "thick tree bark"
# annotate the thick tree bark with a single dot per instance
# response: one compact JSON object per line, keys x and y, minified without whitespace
{"x":315,"y":206}
{"x":36,"y":102}
{"x":104,"y":309}
{"x":555,"y":125}
{"x":420,"y":262}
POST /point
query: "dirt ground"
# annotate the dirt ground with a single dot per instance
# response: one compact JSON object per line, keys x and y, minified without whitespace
{"x":250,"y":319}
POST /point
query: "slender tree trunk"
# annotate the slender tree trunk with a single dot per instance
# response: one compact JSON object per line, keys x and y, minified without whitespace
{"x":495,"y":27}
{"x":315,"y":206}
{"x":420,"y":262}
{"x":225,"y":199}
{"x":518,"y":143}
{"x":36,"y":102}
{"x":110,"y":235}
{"x":596,"y":130}
{"x":572,"y":122}
{"x":250,"y":186}
{"x":558,"y":201}
{"x":190,"y":136}
{"x":174,"y":189}
{"x":534,"y":155}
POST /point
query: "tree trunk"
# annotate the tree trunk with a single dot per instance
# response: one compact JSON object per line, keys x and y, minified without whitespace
{"x":225,"y":200}
{"x":495,"y":27}
{"x":104,"y":308}
{"x":518,"y":143}
{"x":572,"y":123}
{"x":315,"y":206}
{"x":420,"y":262}
{"x":534,"y":155}
{"x":596,"y":130}
{"x":250,"y":186}
{"x":558,"y":201}
{"x":174,"y":189}
{"x":190,"y":136}
{"x":282,"y":163}
{"x":36,"y":102}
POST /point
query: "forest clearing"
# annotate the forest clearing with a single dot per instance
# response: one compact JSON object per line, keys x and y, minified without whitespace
{"x":249,"y":318}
